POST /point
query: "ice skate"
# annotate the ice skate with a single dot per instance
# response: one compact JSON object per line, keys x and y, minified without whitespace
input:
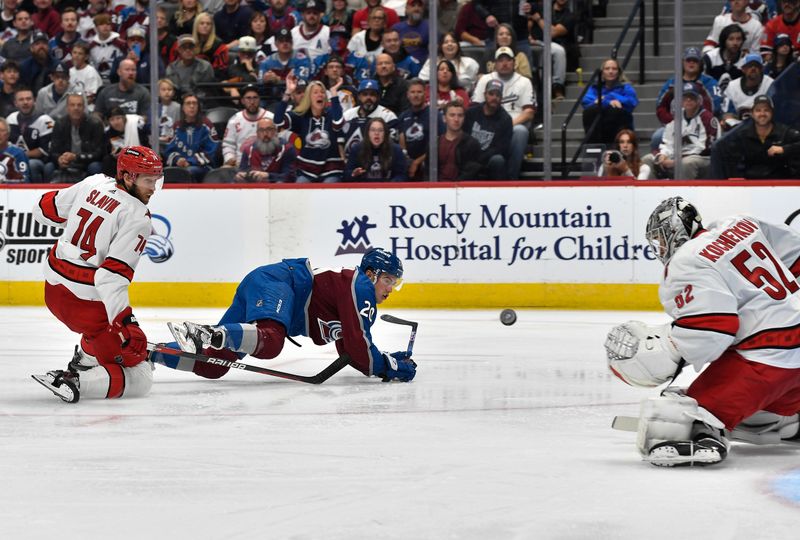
{"x":64,"y":384}
{"x":81,"y":361}
{"x":704,"y":451}
{"x":194,"y":338}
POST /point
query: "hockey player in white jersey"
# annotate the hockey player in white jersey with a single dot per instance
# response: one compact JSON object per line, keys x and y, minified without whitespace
{"x":731,"y":291}
{"x":87,"y":273}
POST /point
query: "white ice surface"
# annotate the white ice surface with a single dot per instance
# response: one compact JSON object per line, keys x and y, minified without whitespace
{"x":505,"y":434}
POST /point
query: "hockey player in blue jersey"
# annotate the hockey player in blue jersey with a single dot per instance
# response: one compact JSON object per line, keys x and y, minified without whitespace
{"x":290,"y":298}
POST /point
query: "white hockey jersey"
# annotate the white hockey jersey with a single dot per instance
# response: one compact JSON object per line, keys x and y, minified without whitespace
{"x":314,"y":45}
{"x":752,"y":32}
{"x":736,"y":101}
{"x":239,"y":129}
{"x":734,"y":285}
{"x":105,"y":231}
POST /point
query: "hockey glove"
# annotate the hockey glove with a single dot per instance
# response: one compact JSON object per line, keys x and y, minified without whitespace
{"x":132,"y":338}
{"x":397,"y":365}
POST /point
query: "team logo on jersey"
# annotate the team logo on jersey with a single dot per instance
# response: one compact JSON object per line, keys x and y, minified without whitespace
{"x":318,"y":138}
{"x":330,"y":330}
{"x":159,"y":247}
{"x":354,"y":236}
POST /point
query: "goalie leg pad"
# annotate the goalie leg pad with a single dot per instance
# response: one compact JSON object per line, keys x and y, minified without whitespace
{"x":767,"y":428}
{"x":673,"y":431}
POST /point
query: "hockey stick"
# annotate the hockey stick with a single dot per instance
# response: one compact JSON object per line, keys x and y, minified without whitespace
{"x":397,"y":320}
{"x":319,"y":378}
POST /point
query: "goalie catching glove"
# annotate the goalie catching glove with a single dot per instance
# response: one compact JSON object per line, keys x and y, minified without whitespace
{"x":397,"y":365}
{"x":642,"y":355}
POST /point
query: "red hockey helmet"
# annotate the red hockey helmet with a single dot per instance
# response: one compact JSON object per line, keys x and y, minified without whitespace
{"x":139,"y":160}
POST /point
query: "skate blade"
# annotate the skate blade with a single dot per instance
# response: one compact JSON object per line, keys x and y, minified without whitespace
{"x":669,"y":459}
{"x":178,"y":331}
{"x":63,"y":392}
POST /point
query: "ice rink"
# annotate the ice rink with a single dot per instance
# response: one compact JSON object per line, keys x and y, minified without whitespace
{"x":504,"y":434}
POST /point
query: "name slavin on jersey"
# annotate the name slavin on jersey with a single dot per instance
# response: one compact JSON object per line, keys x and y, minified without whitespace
{"x":728,"y":239}
{"x":109,"y":204}
{"x":19,"y":228}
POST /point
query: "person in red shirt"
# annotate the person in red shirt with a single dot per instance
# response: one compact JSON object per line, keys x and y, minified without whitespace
{"x":788,"y":22}
{"x":457,"y":150}
{"x":361,"y":16}
{"x":46,"y":18}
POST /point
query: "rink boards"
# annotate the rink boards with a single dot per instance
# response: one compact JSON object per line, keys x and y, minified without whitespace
{"x":560,"y":245}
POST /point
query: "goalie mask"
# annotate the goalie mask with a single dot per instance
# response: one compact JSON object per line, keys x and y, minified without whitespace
{"x":672,"y":224}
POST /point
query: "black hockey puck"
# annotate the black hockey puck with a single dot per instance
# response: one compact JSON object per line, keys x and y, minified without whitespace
{"x":508,"y":317}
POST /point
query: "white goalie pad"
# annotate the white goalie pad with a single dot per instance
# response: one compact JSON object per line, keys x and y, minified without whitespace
{"x":767,"y":428}
{"x":642,"y":355}
{"x":672,"y":418}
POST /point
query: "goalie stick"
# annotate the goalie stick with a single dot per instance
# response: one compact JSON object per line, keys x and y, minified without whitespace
{"x":626,"y":423}
{"x":397,"y":320}
{"x":319,"y":378}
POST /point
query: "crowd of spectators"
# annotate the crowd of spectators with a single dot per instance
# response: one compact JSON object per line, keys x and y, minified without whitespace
{"x":332,"y":90}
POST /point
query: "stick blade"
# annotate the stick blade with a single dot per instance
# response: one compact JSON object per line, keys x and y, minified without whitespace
{"x":625,"y":423}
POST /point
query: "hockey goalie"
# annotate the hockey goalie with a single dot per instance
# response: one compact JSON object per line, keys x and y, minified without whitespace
{"x":731,"y":292}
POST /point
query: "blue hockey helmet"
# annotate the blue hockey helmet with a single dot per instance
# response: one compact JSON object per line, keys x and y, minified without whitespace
{"x":382,"y":261}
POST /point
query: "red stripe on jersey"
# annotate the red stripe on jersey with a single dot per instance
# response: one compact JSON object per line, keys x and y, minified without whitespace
{"x":717,"y":322}
{"x":795,"y":268}
{"x":118,"y":267}
{"x":116,"y":380}
{"x":48,"y":205}
{"x":73,"y":272}
{"x":774,"y":338}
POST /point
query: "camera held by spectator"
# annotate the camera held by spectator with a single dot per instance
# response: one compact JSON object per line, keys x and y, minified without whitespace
{"x":615,"y":164}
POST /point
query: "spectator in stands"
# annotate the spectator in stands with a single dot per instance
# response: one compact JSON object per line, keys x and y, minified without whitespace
{"x":333,"y":71}
{"x":83,"y":77}
{"x":280,"y":16}
{"x":471,"y":27}
{"x":762,"y":148}
{"x":7,"y":13}
{"x":86,"y":18}
{"x":242,"y":126}
{"x":195,"y":143}
{"x":137,"y":51}
{"x":412,"y":125}
{"x":407,"y":66}
{"x":76,"y":146}
{"x":274,"y":70}
{"x":259,"y":30}
{"x":466,"y":68}
{"x":243,"y":68}
{"x":519,"y":101}
{"x":448,"y":87}
{"x":232,"y":21}
{"x":414,"y":30}
{"x":368,"y":42}
{"x":393,"y":87}
{"x":35,"y":71}
{"x":490,"y":125}
{"x":18,"y":48}
{"x":763,"y":9}
{"x":361,"y":19}
{"x":377,"y":158}
{"x":750,"y":25}
{"x":318,"y":128}
{"x":782,"y":56}
{"x":724,"y":62}
{"x":137,"y":15}
{"x":505,"y":37}
{"x":458,"y":151}
{"x":61,"y":44}
{"x":209,"y":47}
{"x":10,"y":74}
{"x":788,"y":22}
{"x":563,"y":45}
{"x":13,"y":162}
{"x":614,"y":104}
{"x":169,"y":111}
{"x":448,"y":15}
{"x":123,"y":130}
{"x":126,"y":94}
{"x":339,"y":18}
{"x":741,"y":92}
{"x":52,"y":99}
{"x":265,"y":158}
{"x":46,"y":19}
{"x":183,"y":21}
{"x":699,"y":131}
{"x":31,"y":131}
{"x":167,"y":43}
{"x":629,"y":162}
{"x":188,"y":70}
{"x":106,"y":47}
{"x":368,"y":107}
{"x":311,"y":36}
